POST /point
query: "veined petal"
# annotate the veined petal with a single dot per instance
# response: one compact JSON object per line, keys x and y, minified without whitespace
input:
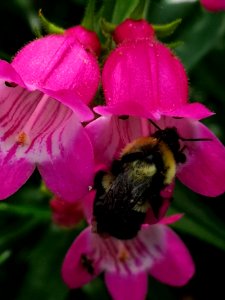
{"x":14,"y":173}
{"x":70,"y":171}
{"x":132,"y":287}
{"x":132,"y":256}
{"x":110,"y":134}
{"x":176,"y":267}
{"x":78,"y":268}
{"x":59,"y":62}
{"x":8,"y":74}
{"x":73,"y":102}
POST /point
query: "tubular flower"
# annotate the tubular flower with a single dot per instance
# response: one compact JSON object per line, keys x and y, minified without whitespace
{"x":213,"y":5}
{"x":204,"y":169}
{"x":142,"y":77}
{"x":156,"y":250}
{"x":43,"y":97}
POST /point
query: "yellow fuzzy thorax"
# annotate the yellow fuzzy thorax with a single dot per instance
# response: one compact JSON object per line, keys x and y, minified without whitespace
{"x":169,"y":162}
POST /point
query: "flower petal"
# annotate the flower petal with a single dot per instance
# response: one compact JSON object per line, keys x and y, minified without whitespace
{"x":176,"y":267}
{"x":204,"y":171}
{"x":192,"y":110}
{"x":14,"y":173}
{"x":70,"y":171}
{"x":59,"y":62}
{"x":148,"y":64}
{"x":73,"y":102}
{"x":75,"y":272}
{"x":110,"y":134}
{"x":132,"y":287}
{"x":7,"y":73}
{"x":171,"y":219}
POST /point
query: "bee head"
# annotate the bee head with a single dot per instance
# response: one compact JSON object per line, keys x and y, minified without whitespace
{"x":171,"y":138}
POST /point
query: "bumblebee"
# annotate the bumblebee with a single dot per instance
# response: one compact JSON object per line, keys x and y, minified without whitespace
{"x":134,"y":183}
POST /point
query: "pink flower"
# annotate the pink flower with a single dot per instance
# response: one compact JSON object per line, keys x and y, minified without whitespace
{"x":43,"y":97}
{"x":156,"y":250}
{"x":66,"y":214}
{"x":143,"y":78}
{"x":204,"y":169}
{"x":213,"y":5}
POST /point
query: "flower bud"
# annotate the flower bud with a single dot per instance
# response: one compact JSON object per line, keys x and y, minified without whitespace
{"x":213,"y":5}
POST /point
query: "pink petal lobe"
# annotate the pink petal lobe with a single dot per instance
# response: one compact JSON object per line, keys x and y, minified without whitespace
{"x":8,"y":73}
{"x":132,"y":287}
{"x":110,"y":134}
{"x":59,"y":62}
{"x":75,"y":272}
{"x":82,"y":111}
{"x":191,"y":110}
{"x":171,"y":219}
{"x":70,"y":172}
{"x":204,"y":171}
{"x":176,"y":267}
{"x":14,"y":173}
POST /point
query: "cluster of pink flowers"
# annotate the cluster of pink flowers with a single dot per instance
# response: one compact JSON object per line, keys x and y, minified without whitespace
{"x":44,"y":98}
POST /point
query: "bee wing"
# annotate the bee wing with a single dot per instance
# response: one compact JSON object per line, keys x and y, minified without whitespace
{"x":123,"y":193}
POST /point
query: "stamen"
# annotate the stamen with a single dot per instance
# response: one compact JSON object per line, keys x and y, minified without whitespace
{"x":123,"y":254}
{"x":23,"y":136}
{"x":22,"y":139}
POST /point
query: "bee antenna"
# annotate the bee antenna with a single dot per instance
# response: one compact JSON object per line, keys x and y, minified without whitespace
{"x":194,"y":140}
{"x":154,"y":124}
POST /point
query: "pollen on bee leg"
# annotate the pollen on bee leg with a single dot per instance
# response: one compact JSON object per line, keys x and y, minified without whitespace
{"x":22,"y":139}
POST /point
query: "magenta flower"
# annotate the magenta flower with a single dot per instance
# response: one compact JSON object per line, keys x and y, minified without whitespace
{"x":213,"y":5}
{"x":143,"y":78}
{"x":43,"y":95}
{"x":204,"y":169}
{"x":156,"y":250}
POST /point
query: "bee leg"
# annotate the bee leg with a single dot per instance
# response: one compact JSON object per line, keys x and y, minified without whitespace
{"x":116,"y":167}
{"x":98,"y":179}
{"x":156,"y":202}
{"x":181,"y":157}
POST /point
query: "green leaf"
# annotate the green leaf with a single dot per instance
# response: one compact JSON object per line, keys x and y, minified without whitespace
{"x":200,"y":36}
{"x":123,"y":10}
{"x":95,"y":288}
{"x":164,"y":30}
{"x":48,"y":26}
{"x":89,"y":16}
{"x":199,"y":220}
{"x":4,"y":256}
{"x":139,"y":10}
